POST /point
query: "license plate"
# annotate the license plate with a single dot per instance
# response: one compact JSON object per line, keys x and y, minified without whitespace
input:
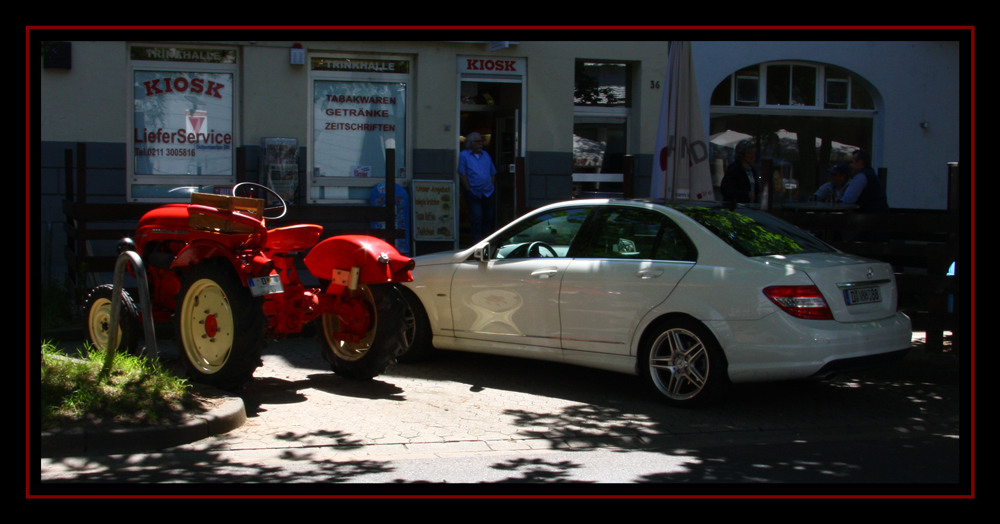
{"x":265,"y":285}
{"x":865,"y":295}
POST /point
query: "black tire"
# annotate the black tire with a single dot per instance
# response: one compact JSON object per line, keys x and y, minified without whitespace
{"x":381,"y":345}
{"x":219,"y":327}
{"x":97,"y":320}
{"x":418,"y":330}
{"x":682,"y":362}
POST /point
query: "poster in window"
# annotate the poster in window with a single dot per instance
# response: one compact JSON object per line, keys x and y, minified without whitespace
{"x":183,"y":123}
{"x":281,"y":165}
{"x":354,"y":124}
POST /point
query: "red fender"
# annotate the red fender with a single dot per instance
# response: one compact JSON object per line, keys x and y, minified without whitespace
{"x":378,"y":261}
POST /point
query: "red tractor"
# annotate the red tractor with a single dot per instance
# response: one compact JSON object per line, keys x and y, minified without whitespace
{"x":228,"y":283}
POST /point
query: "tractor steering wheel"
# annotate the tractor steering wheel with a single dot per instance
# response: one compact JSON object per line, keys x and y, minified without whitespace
{"x":251,"y":185}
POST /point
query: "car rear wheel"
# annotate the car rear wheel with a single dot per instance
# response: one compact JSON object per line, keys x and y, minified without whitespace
{"x":683,"y":363}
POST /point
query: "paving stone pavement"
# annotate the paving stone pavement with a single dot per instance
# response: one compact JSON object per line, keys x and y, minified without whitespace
{"x":471,"y":402}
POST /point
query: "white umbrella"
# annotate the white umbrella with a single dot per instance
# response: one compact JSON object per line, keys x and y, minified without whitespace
{"x":680,"y":160}
{"x":729,"y":138}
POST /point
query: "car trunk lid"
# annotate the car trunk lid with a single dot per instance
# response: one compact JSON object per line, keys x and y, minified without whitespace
{"x":856,"y":289}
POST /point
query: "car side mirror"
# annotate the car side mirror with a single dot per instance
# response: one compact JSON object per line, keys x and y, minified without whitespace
{"x":482,"y":253}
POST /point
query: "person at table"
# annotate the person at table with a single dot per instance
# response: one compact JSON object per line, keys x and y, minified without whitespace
{"x":833,"y":191}
{"x":865,"y":189}
{"x":740,"y":183}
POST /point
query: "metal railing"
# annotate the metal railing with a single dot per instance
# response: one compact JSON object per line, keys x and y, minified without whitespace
{"x":116,"y":303}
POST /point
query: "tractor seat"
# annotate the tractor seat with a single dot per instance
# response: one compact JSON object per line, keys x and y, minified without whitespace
{"x":292,"y":238}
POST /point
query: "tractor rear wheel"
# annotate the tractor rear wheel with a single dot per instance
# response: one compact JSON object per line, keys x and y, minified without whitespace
{"x":97,"y":314}
{"x":382,"y":343}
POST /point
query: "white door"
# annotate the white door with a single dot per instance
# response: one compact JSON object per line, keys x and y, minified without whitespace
{"x":509,"y":301}
{"x":633,"y":261}
{"x":514,"y":298}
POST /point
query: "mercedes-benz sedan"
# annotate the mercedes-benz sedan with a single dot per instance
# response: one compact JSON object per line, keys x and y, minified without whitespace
{"x":691,"y":298}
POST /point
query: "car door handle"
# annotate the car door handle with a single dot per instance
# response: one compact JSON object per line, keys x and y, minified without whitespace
{"x":544,"y":273}
{"x":649,"y":273}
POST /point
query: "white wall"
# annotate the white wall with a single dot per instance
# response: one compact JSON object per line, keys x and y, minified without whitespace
{"x":88,"y":102}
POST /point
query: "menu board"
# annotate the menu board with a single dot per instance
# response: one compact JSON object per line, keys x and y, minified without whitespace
{"x":434,"y":210}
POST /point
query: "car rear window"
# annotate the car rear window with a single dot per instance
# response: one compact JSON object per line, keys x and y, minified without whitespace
{"x":754,"y":233}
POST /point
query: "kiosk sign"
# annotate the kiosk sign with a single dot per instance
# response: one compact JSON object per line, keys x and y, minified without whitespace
{"x":183,"y":123}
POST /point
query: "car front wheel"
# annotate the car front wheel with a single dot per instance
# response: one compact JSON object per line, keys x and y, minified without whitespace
{"x":683,"y":363}
{"x":418,"y":329}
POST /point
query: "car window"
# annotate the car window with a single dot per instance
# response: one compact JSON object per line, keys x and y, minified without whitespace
{"x":635,"y":233}
{"x":755,"y":233}
{"x":544,"y":235}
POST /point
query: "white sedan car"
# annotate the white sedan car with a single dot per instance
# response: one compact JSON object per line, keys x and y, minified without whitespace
{"x":689,"y":297}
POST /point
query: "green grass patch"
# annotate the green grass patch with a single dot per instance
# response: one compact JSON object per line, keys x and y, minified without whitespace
{"x":138,"y":391}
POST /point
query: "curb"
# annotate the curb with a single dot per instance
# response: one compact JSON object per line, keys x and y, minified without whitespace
{"x":227,"y":416}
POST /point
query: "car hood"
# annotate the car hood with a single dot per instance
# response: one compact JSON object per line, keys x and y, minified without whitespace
{"x":448,"y":257}
{"x":837,"y":274}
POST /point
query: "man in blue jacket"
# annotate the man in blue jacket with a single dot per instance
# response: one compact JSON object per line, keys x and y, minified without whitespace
{"x":477,"y":175}
{"x":865,"y":189}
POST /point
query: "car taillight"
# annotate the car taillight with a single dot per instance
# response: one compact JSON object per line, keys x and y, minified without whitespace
{"x":800,"y":301}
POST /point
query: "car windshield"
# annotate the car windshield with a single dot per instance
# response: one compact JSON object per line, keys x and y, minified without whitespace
{"x":754,"y":233}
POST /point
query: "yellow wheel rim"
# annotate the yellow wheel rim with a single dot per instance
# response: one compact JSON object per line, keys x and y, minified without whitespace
{"x":100,"y":324}
{"x":207,"y":327}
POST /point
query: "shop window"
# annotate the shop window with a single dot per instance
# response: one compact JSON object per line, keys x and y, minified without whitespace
{"x":603,"y":84}
{"x":359,"y":112}
{"x":845,"y":92}
{"x":807,"y":118}
{"x":599,"y":148}
{"x":793,"y":84}
{"x":355,"y":122}
{"x":183,"y":119}
{"x":602,"y":96}
{"x":747,"y":90}
{"x":598,"y":145}
{"x":798,"y":148}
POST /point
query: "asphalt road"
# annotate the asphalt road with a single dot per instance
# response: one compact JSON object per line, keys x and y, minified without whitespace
{"x":478,"y":420}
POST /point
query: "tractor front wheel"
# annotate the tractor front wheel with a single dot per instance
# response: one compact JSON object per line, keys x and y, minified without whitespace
{"x":219,"y":326}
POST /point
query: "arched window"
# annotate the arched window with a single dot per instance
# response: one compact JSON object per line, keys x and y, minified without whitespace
{"x":802,"y":117}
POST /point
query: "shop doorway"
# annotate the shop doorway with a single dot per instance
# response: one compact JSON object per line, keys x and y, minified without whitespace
{"x":494,"y":110}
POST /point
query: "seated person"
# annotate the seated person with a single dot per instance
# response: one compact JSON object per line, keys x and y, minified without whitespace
{"x":833,"y":191}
